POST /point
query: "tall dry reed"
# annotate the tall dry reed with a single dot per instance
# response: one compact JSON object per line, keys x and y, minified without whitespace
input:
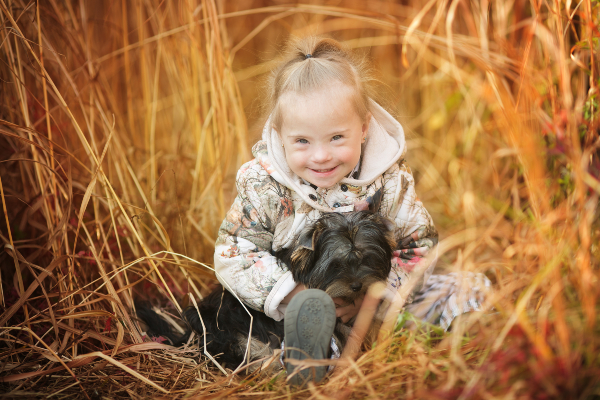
{"x":123,"y":125}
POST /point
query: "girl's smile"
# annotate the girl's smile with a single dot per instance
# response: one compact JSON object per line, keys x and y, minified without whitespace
{"x":322,"y":134}
{"x":322,"y":173}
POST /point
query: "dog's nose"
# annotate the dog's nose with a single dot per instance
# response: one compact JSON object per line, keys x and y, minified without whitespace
{"x":356,"y":286}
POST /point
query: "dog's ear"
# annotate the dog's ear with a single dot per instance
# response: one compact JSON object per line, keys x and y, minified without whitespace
{"x":390,"y":226}
{"x":388,"y":223}
{"x":302,"y":258}
{"x":301,"y":264}
{"x":391,"y":233}
{"x":307,"y":239}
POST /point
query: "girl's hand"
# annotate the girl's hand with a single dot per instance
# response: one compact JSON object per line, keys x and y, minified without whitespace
{"x":347,"y":311}
{"x":297,"y":289}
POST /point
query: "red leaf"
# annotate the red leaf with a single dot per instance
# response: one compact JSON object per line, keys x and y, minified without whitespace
{"x":159,"y":339}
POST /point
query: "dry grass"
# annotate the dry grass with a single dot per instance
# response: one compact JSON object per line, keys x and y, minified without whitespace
{"x":116,"y":189}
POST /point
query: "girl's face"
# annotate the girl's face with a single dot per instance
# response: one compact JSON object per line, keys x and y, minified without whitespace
{"x":322,"y":134}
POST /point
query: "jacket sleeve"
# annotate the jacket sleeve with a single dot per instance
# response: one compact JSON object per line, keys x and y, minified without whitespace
{"x":415,"y":233}
{"x":243,"y":260}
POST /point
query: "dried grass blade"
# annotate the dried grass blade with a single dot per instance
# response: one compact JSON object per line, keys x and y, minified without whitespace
{"x":413,"y":25}
{"x":10,"y":312}
{"x":89,"y":189}
{"x":126,"y":369}
{"x":120,"y":335}
{"x":84,"y":359}
{"x":54,"y":355}
{"x":363,"y":320}
{"x":391,"y":316}
{"x":206,"y":353}
{"x":61,"y":390}
{"x":59,"y":96}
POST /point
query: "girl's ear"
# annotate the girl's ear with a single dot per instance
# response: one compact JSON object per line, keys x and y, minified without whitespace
{"x":280,"y":138}
{"x":365,"y":126}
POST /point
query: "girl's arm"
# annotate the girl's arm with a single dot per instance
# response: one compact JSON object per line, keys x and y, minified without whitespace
{"x":243,"y":262}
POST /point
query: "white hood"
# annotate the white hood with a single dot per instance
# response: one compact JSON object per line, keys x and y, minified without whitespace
{"x":385,"y":145}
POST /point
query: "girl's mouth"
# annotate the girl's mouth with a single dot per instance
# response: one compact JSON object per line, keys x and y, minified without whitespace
{"x":323,"y":171}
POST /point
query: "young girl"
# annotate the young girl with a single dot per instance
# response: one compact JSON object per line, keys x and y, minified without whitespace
{"x":327,"y":147}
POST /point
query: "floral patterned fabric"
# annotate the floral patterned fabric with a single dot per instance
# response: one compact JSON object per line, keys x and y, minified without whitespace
{"x":445,"y":297}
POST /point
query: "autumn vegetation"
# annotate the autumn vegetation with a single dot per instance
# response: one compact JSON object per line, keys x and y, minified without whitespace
{"x":123,"y":123}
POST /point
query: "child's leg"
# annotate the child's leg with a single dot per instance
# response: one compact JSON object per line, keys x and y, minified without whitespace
{"x":445,"y":297}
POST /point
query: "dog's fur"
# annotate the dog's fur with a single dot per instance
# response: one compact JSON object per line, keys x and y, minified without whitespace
{"x":342,"y":254}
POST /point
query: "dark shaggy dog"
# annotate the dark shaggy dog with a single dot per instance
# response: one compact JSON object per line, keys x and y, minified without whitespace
{"x":341,"y":254}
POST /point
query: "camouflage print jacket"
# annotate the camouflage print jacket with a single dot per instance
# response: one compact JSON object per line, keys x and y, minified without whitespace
{"x":273,"y":205}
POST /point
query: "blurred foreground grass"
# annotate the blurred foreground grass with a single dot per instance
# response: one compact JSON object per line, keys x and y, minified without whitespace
{"x":151,"y":108}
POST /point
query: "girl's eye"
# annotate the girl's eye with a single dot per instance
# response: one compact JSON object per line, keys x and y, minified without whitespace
{"x":336,"y":137}
{"x":303,"y":141}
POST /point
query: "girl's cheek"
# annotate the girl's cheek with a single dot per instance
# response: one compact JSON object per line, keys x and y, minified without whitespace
{"x":293,"y":159}
{"x":349,"y":152}
{"x":296,"y":155}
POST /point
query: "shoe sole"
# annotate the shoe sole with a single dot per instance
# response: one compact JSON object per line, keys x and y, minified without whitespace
{"x":309,"y":323}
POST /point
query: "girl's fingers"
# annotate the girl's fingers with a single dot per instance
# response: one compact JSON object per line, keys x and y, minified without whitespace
{"x":338,"y":302}
{"x":346,"y":313}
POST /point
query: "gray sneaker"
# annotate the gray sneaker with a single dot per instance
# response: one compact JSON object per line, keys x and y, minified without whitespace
{"x":309,"y":323}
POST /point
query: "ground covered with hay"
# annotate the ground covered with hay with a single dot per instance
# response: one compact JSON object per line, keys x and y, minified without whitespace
{"x":123,"y":123}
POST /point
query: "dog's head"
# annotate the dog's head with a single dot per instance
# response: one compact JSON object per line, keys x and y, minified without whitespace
{"x":342,"y":254}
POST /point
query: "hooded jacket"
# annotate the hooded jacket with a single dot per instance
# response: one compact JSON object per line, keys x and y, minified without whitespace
{"x":273,"y":205}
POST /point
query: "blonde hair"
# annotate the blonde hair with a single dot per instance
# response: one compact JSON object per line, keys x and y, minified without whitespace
{"x":311,"y":63}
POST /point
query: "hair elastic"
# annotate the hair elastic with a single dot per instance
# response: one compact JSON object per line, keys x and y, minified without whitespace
{"x":307,"y":56}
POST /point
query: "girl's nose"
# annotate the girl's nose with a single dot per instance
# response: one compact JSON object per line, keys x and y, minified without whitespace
{"x":321,"y":154}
